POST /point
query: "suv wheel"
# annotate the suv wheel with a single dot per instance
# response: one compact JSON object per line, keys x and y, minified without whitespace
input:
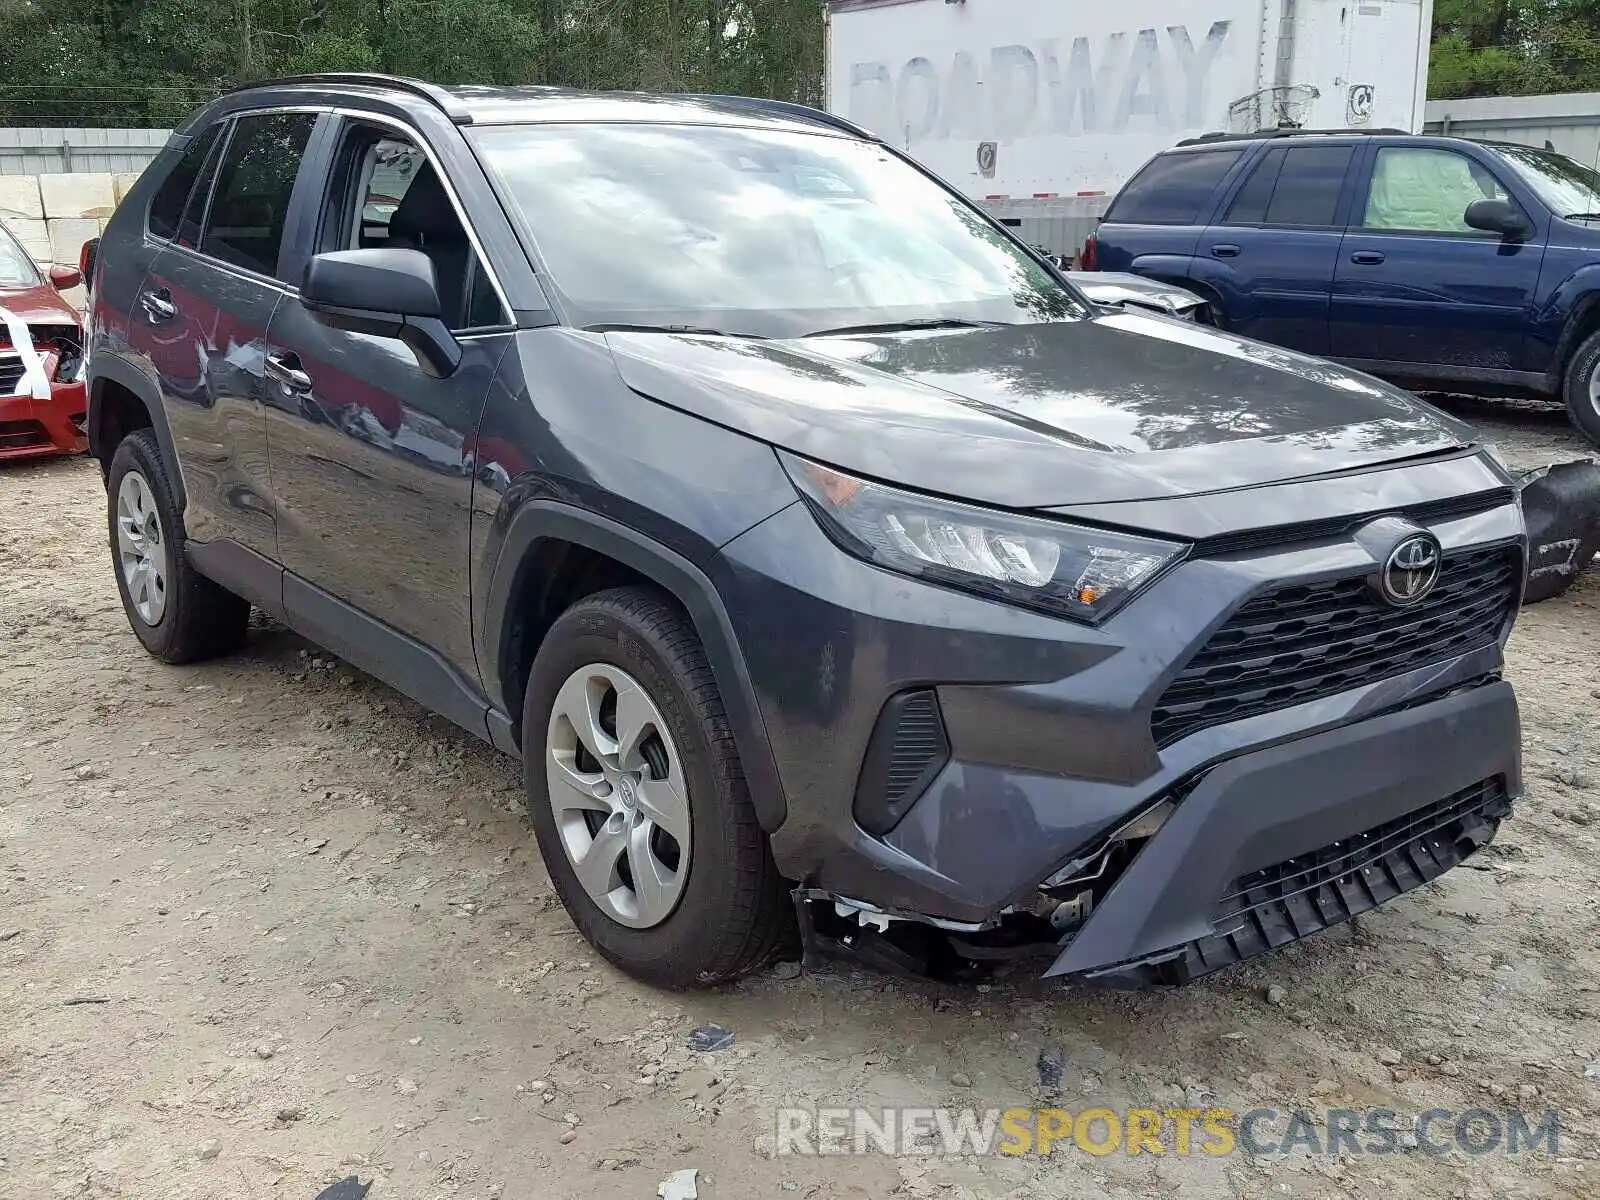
{"x":179,"y":614}
{"x":1582,"y":388}
{"x":638,"y":799}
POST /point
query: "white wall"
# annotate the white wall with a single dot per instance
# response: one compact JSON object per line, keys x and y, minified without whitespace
{"x":65,"y":151}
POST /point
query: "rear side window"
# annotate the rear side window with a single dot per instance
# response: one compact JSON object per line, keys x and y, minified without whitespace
{"x":251,"y":201}
{"x":1297,"y":185}
{"x":166,"y":209}
{"x":1173,"y":189}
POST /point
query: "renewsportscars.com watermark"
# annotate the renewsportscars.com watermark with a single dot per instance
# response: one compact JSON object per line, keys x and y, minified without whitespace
{"x":1217,"y":1132}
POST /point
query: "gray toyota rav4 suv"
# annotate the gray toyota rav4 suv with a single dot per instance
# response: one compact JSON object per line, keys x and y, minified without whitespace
{"x":833,"y":565}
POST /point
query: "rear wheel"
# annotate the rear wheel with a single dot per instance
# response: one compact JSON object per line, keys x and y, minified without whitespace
{"x":638,"y":800}
{"x":1581,"y":388}
{"x":178,"y":614}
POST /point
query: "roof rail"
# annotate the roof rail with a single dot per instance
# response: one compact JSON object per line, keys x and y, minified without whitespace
{"x":441,"y":99}
{"x":783,"y":108}
{"x":1206,"y":139}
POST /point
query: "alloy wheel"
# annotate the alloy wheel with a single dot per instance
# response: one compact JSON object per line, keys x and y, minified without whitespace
{"x":141,"y":548}
{"x":616,"y":784}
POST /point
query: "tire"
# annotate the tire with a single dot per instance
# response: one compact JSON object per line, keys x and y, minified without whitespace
{"x":1581,"y":388}
{"x":192,"y":618}
{"x":729,"y":910}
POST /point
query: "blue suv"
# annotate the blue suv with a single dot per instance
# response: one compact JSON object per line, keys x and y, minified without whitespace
{"x":1434,"y":262}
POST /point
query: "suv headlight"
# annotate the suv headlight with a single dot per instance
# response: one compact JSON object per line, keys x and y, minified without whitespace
{"x":1064,"y":570}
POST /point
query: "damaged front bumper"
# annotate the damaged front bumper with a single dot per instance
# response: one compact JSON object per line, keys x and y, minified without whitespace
{"x":1259,"y":851}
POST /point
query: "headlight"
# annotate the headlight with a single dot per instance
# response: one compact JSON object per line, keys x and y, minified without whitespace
{"x":1064,"y":570}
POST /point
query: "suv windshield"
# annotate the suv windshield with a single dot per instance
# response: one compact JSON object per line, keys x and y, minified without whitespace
{"x":1568,"y":187}
{"x":757,"y":232}
{"x":16,"y":268}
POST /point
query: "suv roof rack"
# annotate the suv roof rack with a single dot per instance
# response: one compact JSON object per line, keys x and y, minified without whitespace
{"x":441,"y":99}
{"x":1264,"y":134}
{"x":783,"y":108}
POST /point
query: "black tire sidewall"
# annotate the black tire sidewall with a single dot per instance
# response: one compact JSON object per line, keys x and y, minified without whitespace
{"x":680,"y":949}
{"x":1584,"y":412}
{"x":138,"y":451}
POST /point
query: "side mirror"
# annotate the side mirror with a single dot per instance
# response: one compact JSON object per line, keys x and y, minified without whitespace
{"x":386,"y":293}
{"x":1498,"y":216}
{"x":65,"y":277}
{"x":86,"y":260}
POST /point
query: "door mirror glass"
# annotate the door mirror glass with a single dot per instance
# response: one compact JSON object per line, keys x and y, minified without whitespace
{"x":386,"y":293}
{"x":1498,"y":216}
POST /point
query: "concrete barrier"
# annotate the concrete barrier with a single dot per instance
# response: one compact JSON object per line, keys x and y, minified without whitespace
{"x":53,"y":215}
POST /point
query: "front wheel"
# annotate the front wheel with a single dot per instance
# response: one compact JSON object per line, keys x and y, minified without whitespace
{"x":638,"y":800}
{"x":1581,"y":388}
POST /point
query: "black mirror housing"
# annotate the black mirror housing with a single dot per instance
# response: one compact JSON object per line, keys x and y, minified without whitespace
{"x":378,"y":280}
{"x":386,"y":293}
{"x":1498,"y":216}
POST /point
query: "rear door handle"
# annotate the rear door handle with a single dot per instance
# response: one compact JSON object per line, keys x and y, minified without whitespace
{"x":284,"y":370}
{"x":1225,"y":250}
{"x":1367,"y":258}
{"x":158,"y":306}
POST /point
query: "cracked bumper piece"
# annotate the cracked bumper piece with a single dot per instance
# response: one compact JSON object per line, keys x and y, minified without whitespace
{"x":1273,"y":846}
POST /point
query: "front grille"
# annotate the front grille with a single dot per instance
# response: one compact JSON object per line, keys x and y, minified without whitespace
{"x":1306,"y":641}
{"x":11,"y":371}
{"x":19,"y":435}
{"x":1293,"y":899}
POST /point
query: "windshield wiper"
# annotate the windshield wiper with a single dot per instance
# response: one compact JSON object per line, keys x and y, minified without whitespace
{"x":624,"y":327}
{"x":1595,"y":216}
{"x":911,"y":323}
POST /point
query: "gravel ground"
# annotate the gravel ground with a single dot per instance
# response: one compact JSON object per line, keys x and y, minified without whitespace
{"x":265,"y":923}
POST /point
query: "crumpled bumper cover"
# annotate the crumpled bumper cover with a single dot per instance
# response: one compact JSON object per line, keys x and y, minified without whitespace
{"x":1275,"y":845}
{"x":30,"y":427}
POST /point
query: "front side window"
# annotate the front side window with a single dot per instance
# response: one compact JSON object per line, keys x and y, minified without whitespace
{"x":757,"y":231}
{"x":1426,"y":190}
{"x":1173,"y":189}
{"x":166,"y":206}
{"x":250,"y":203}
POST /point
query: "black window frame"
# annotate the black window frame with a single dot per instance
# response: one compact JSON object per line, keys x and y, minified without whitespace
{"x":307,"y":154}
{"x":218,"y":127}
{"x":1234,"y":156}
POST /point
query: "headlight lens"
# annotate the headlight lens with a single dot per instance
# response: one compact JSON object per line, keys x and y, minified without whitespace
{"x":1065,"y":570}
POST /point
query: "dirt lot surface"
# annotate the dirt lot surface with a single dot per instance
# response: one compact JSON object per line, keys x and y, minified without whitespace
{"x":265,"y":923}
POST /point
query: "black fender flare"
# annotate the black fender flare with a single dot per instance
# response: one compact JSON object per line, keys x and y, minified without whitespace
{"x":108,"y":365}
{"x":540,"y":520}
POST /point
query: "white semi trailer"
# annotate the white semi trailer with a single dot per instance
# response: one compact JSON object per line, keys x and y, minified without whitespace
{"x":1042,"y":109}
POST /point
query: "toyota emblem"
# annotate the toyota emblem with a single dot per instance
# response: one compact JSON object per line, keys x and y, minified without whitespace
{"x":1411,"y":570}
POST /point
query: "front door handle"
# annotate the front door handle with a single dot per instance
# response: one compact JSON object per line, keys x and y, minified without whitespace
{"x":284,"y":370}
{"x":1367,"y":258}
{"x":158,"y":305}
{"x":1225,"y":250}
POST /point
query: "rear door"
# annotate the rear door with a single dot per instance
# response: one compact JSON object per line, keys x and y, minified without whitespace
{"x":202,"y":315}
{"x":1417,"y":288}
{"x":1270,"y":257}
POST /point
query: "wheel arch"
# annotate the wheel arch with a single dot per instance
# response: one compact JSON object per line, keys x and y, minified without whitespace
{"x":541,"y":533}
{"x":122,"y":399}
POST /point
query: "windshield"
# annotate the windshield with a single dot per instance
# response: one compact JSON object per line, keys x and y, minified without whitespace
{"x":756,"y":232}
{"x":1568,"y":187}
{"x":16,"y":268}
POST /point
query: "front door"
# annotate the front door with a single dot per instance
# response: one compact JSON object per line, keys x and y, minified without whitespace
{"x":1416,"y":287}
{"x":371,"y":455}
{"x":1270,"y":258}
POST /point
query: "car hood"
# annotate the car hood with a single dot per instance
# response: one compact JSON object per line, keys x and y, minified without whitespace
{"x":41,"y":305}
{"x":1125,"y":406}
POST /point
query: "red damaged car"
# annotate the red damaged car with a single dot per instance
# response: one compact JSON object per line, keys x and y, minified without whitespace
{"x":42,"y":397}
